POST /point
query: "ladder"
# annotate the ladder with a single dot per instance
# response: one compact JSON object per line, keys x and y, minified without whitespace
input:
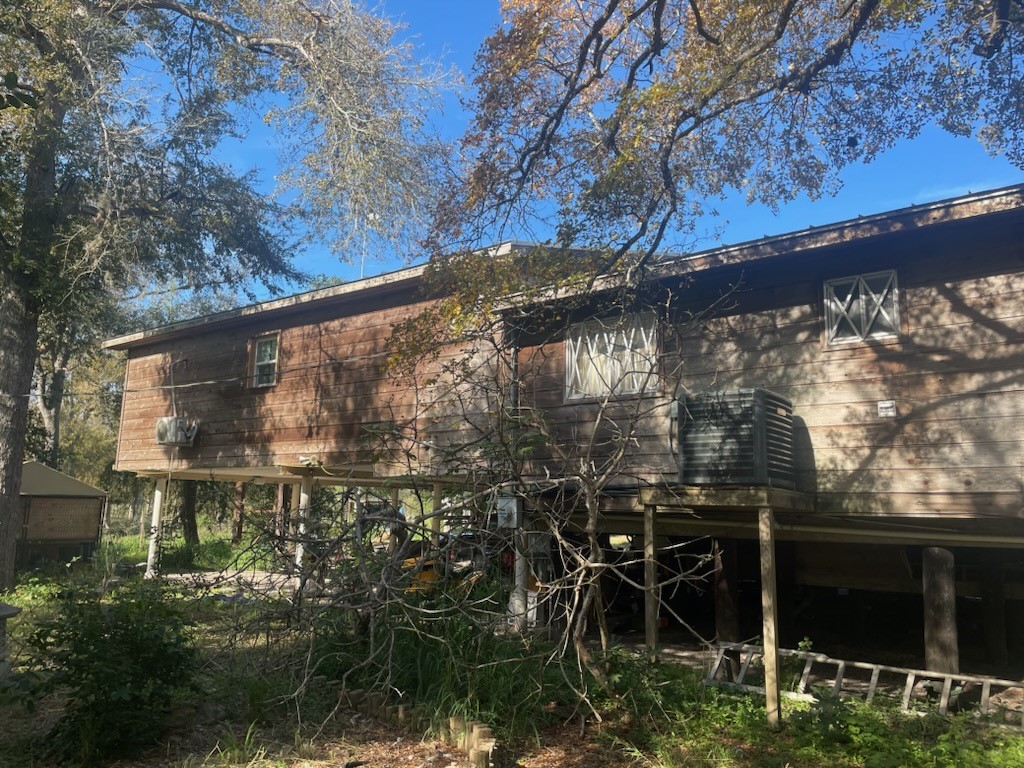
{"x":842,"y":667}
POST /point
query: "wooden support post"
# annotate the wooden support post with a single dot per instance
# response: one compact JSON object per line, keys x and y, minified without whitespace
{"x":435,"y":518}
{"x":397,"y":531}
{"x":727,"y":613}
{"x":769,"y":617}
{"x":280,"y":511}
{"x":153,"y":556}
{"x":301,"y":515}
{"x":21,"y":546}
{"x":1015,"y":626}
{"x":652,"y":598}
{"x":294,"y":507}
{"x":941,"y":647}
{"x":238,"y":513}
{"x":993,"y":606}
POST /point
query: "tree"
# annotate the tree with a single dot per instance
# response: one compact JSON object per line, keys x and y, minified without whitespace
{"x":68,"y":337}
{"x":624,"y":119}
{"x":616,"y":123}
{"x":111,"y":177}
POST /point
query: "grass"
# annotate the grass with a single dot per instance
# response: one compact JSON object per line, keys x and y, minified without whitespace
{"x":215,"y":552}
{"x":246,"y":711}
{"x":698,"y":726}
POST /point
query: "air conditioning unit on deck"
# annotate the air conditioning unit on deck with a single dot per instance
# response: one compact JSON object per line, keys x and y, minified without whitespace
{"x":175,"y":430}
{"x":735,"y":438}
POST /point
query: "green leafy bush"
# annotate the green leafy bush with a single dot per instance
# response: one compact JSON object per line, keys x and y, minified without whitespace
{"x":118,"y":662}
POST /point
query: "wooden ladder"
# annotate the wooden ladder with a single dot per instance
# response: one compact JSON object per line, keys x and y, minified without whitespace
{"x":842,"y":667}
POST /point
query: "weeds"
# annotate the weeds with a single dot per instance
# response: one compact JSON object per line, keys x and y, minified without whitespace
{"x":117,"y":663}
{"x":447,"y":651}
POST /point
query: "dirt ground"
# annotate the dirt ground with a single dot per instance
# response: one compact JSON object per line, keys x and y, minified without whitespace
{"x":355,"y":741}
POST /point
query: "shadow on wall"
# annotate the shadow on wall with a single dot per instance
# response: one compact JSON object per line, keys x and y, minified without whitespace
{"x":804,"y":465}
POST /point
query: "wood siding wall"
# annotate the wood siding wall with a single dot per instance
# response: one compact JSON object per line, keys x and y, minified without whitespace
{"x":956,"y":374}
{"x":335,"y":400}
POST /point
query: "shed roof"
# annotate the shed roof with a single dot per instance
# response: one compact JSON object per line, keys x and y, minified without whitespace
{"x":40,"y":480}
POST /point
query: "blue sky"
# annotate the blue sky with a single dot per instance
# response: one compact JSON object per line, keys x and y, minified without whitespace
{"x":932,"y":167}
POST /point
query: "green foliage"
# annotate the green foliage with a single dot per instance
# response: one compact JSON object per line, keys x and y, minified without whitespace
{"x":215,"y":552}
{"x":121,"y":551}
{"x":212,"y":554}
{"x":649,"y":692}
{"x":718,"y":727}
{"x":448,"y":655}
{"x":118,"y":662}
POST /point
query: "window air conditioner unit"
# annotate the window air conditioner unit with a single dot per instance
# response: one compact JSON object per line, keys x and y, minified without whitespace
{"x":175,"y":430}
{"x":735,"y":438}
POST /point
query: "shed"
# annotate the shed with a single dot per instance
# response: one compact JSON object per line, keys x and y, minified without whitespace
{"x":60,"y":516}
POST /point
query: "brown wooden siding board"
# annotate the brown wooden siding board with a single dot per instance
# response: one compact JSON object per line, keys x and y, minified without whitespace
{"x":992,"y":455}
{"x":229,"y":411}
{"x":961,"y":505}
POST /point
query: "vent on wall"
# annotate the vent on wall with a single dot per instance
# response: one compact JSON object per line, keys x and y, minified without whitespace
{"x":736,"y":437}
{"x":174,"y":430}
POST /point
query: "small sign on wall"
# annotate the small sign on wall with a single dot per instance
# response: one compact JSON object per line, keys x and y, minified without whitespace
{"x":887,"y":409}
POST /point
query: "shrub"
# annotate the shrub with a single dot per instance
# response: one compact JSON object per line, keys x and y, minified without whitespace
{"x":118,"y":663}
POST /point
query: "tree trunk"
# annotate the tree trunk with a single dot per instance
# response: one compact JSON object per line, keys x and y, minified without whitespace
{"x":18,"y":332}
{"x":592,"y":597}
{"x":48,"y":404}
{"x":25,"y":269}
{"x":189,"y":525}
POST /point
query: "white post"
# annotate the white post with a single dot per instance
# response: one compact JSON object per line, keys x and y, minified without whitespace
{"x":520,"y":604}
{"x":435,"y":517}
{"x":295,"y":502}
{"x":154,"y":527}
{"x":305,"y":493}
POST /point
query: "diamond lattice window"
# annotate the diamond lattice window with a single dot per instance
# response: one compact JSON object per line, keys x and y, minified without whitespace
{"x":612,"y":357}
{"x":862,"y":307}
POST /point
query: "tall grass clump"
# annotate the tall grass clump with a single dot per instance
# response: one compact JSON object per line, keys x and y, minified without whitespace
{"x":449,"y":653}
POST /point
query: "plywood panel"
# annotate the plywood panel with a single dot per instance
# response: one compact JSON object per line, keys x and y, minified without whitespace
{"x":63,"y":519}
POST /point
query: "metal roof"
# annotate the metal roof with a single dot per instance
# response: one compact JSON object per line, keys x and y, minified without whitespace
{"x":40,"y":480}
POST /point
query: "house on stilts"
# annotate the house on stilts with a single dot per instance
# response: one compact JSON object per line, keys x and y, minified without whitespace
{"x":837,"y":409}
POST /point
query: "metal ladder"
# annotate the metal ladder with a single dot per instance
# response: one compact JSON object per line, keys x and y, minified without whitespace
{"x":750,"y":652}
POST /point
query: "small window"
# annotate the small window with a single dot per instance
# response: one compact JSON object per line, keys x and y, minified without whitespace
{"x":613,"y":357}
{"x":861,"y":308}
{"x":264,"y":361}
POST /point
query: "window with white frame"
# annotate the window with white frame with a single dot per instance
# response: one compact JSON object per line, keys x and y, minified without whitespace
{"x":862,"y":307}
{"x":264,"y":361}
{"x":617,"y":356}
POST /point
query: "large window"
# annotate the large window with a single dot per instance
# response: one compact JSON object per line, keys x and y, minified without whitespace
{"x":618,"y":356}
{"x":862,"y":307}
{"x":264,"y":361}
